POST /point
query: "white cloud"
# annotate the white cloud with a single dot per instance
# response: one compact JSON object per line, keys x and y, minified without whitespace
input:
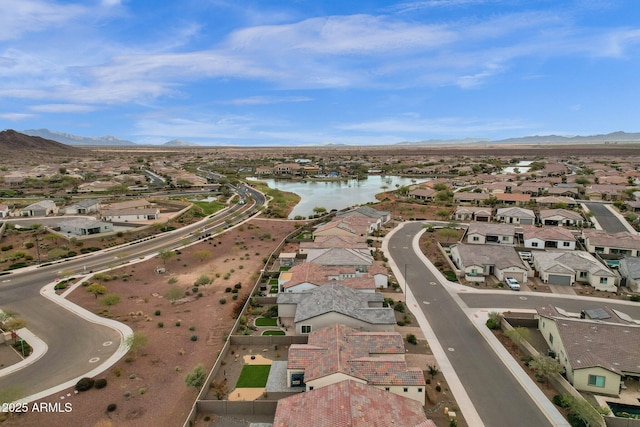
{"x":20,"y":16}
{"x":264,"y":100}
{"x":62,"y":108}
{"x":14,"y":117}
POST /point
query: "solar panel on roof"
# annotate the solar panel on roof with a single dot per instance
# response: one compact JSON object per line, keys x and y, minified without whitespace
{"x":598,"y":313}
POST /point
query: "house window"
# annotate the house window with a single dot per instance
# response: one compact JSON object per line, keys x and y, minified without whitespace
{"x":419,"y":389}
{"x":476,"y":238}
{"x":305,"y":329}
{"x":505,"y":238}
{"x":474,"y":272}
{"x":583,"y":274}
{"x":596,"y":380}
{"x":550,"y":338}
{"x":566,"y":244}
{"x":406,"y":389}
{"x":534,"y":244}
{"x":599,"y":249}
{"x":604,"y":280}
{"x":310,"y":387}
{"x":387,"y":389}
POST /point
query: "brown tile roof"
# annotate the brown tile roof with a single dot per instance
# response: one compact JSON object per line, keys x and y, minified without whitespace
{"x":368,"y":356}
{"x":319,"y":275}
{"x":347,"y":242}
{"x":622,"y":240}
{"x":349,"y":404}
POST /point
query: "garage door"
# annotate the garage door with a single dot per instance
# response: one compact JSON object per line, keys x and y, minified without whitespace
{"x":516,"y":275}
{"x":556,"y":279}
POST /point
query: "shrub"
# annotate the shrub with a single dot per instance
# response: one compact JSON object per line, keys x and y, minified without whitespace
{"x":158,"y":312}
{"x":491,"y":324}
{"x":100,"y":383}
{"x":227,"y":290}
{"x":237,"y":286}
{"x":192,"y":328}
{"x":399,"y":307}
{"x":84,"y":384}
{"x":561,"y":401}
{"x":196,"y":377}
{"x":111,"y":407}
{"x":110,"y":299}
{"x":411,"y":339}
{"x":635,"y":298}
{"x":223,"y":300}
{"x":160,"y":324}
{"x":194,"y":338}
{"x":438,"y":388}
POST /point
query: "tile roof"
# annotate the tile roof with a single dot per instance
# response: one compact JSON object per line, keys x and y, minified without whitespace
{"x":368,"y":356}
{"x":349,"y":404}
{"x":488,"y":229}
{"x":325,"y":242}
{"x":570,"y":261}
{"x":513,"y":197}
{"x":335,"y":298}
{"x":547,"y":233}
{"x":515,"y":212}
{"x":565,"y":213}
{"x":501,"y":256}
{"x":622,"y":240}
{"x":551,"y":200}
{"x":319,"y":275}
{"x":367,"y":211}
{"x":343,"y":257}
{"x":594,"y":343}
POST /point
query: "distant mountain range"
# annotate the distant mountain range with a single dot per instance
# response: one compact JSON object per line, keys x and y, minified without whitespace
{"x":16,"y":145}
{"x":69,"y":139}
{"x":538,"y":139}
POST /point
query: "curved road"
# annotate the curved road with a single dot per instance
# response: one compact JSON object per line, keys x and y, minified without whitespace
{"x":497,"y":396}
{"x":75,"y":344}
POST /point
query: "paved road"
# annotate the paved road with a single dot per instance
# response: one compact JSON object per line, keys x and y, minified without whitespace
{"x":75,"y":345}
{"x":607,"y":220}
{"x":498,"y":398}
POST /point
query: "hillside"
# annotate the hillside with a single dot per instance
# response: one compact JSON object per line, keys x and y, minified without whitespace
{"x":16,"y":146}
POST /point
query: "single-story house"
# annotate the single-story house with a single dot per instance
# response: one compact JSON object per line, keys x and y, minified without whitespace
{"x":82,"y":207}
{"x":309,"y":276}
{"x":563,"y":191}
{"x":481,"y":233}
{"x":348,"y":226}
{"x":368,"y":212}
{"x":41,"y":208}
{"x":515,"y":216}
{"x":338,"y":352}
{"x":4,"y":211}
{"x":513,"y":199}
{"x":565,"y":268}
{"x":470,"y":198}
{"x":361,"y":260}
{"x":425,"y":194}
{"x":350,"y":403}
{"x":561,"y":217}
{"x":328,"y":242}
{"x":477,"y":262}
{"x":597,"y":351}
{"x":623,"y":243}
{"x":130,"y":204}
{"x":550,"y":201}
{"x":332,"y":304}
{"x":469,"y":213}
{"x":629,"y":269}
{"x":131,"y":215}
{"x":547,"y":237}
{"x":84,"y":227}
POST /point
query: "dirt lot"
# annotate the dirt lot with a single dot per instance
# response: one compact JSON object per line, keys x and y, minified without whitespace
{"x":149,"y":389}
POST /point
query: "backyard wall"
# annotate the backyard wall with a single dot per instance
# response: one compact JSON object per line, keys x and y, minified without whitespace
{"x":621,"y":422}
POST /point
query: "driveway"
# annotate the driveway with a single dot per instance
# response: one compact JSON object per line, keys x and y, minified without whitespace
{"x":607,"y":220}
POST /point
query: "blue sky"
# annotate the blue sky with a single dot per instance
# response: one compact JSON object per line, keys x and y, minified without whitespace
{"x":308,"y":72}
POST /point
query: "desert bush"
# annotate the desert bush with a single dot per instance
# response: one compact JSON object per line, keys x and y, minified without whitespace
{"x":84,"y":384}
{"x":100,"y":383}
{"x":111,"y":407}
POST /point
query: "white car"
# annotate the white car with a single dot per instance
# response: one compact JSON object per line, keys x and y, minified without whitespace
{"x":512,"y":283}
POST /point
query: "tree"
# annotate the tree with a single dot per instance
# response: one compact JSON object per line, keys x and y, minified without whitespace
{"x":494,"y":320}
{"x":447,"y":233}
{"x":96,"y":289}
{"x":319,"y":210}
{"x":174,"y":293}
{"x":196,"y":377}
{"x":165,"y":255}
{"x":136,"y":342}
{"x":201,"y":255}
{"x":433,"y":371}
{"x":582,"y":410}
{"x":443,"y":214}
{"x":518,"y":334}
{"x":203,"y":280}
{"x":546,"y":367}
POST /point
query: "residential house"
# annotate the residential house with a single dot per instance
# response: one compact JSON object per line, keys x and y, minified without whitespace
{"x":4,"y":211}
{"x":513,"y":199}
{"x":41,"y":208}
{"x":350,"y":403}
{"x":309,"y":276}
{"x":337,"y":353}
{"x":515,"y":216}
{"x":597,"y":351}
{"x":634,"y":206}
{"x":481,"y":233}
{"x":130,"y":215}
{"x":565,"y":268}
{"x":560,"y":217}
{"x":97,"y":186}
{"x":423,"y":194}
{"x":478,"y":262}
{"x":329,"y":241}
{"x":629,"y":269}
{"x":558,"y":190}
{"x":263,"y":170}
{"x":623,"y":243}
{"x":84,"y":227}
{"x":381,"y":217}
{"x":470,"y":198}
{"x":551,"y":201}
{"x":348,"y":226}
{"x":604,"y":192}
{"x":533,"y":188}
{"x":360,"y":260}
{"x":287,"y":259}
{"x":333,"y":304}
{"x":547,"y":237}
{"x":469,"y":213}
{"x":130,"y":204}
{"x":286,"y":169}
{"x":83,"y":207}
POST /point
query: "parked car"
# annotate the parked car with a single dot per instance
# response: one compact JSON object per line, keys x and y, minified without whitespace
{"x":512,"y":283}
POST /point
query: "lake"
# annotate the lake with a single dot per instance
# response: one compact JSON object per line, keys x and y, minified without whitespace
{"x":336,"y":194}
{"x":522,"y":166}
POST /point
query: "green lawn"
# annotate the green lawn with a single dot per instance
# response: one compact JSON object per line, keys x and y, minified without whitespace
{"x":253,"y":376}
{"x":273,"y":332}
{"x":266,"y":321}
{"x":209,"y":208}
{"x":273,"y":290}
{"x":273,"y":281}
